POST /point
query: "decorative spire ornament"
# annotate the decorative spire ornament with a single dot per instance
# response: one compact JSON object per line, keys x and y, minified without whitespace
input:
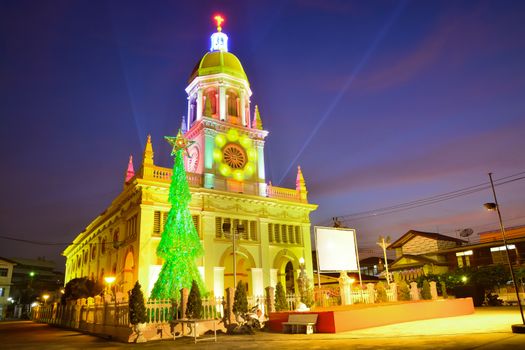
{"x":130,"y":172}
{"x":257,"y":121}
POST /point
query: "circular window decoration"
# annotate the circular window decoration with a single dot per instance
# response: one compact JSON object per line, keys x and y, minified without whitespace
{"x":234,"y":156}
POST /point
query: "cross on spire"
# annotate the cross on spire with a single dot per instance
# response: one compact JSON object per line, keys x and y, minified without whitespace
{"x":219,"y":19}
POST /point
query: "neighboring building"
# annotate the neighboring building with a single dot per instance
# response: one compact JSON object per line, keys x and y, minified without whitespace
{"x":34,"y":277}
{"x":490,"y":250}
{"x":374,"y":266}
{"x":6,"y":273}
{"x":226,"y":173}
{"x":418,"y":254}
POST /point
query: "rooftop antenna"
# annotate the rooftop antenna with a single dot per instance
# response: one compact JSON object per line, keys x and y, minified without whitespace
{"x":466,"y":233}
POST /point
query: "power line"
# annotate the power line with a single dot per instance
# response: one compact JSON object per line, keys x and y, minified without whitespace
{"x":428,"y":200}
{"x":29,"y":241}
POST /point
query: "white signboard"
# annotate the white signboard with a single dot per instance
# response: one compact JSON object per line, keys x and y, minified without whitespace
{"x":336,"y":249}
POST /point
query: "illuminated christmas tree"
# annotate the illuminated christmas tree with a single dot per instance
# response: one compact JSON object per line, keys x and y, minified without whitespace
{"x":180,"y":244}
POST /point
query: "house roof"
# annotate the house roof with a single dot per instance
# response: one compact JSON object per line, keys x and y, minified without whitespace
{"x":432,"y":235}
{"x":8,"y":260}
{"x":420,"y":261}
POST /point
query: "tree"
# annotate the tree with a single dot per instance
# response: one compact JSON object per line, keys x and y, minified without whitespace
{"x":180,"y":244}
{"x":403,"y":291}
{"x":444,"y":290}
{"x":425,"y":291}
{"x":80,"y":288}
{"x":381,"y":292}
{"x":280,"y":298}
{"x":137,"y":308}
{"x":194,"y":307}
{"x":240,"y":300}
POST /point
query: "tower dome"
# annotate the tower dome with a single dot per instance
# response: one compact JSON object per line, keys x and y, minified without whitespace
{"x":219,"y":61}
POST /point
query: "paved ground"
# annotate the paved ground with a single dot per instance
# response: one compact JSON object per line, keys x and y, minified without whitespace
{"x":488,"y":328}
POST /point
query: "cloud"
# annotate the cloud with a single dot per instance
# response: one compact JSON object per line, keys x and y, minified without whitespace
{"x":499,"y":149}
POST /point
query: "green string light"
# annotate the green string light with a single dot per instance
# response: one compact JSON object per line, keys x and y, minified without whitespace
{"x":180,"y":245}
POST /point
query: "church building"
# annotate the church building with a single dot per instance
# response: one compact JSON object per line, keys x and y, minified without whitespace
{"x":231,"y":199}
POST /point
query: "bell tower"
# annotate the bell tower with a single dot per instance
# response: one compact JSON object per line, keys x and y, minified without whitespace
{"x":229,"y":146}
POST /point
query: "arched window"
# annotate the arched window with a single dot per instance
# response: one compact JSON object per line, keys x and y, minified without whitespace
{"x":232,"y":103}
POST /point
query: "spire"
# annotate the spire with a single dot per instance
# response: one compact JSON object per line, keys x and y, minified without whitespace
{"x":183,"y":126}
{"x":257,"y":121}
{"x":300,"y":185}
{"x":147,"y":156}
{"x":130,"y":172}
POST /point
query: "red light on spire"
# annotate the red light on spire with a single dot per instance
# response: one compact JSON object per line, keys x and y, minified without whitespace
{"x":219,"y":19}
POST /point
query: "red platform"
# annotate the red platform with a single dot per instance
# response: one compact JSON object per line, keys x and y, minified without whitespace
{"x":351,"y":317}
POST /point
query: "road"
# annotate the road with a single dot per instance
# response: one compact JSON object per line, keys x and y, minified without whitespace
{"x":487,"y":328}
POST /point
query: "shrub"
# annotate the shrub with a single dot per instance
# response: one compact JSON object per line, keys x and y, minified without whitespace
{"x":240,"y":301}
{"x":280,"y":298}
{"x":194,"y":307}
{"x":425,"y":291}
{"x":137,"y":308}
{"x":381,"y":293}
{"x":403,"y":291}
{"x":444,"y":290}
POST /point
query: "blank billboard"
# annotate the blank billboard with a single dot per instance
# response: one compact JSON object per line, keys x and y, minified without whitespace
{"x":336,"y":249}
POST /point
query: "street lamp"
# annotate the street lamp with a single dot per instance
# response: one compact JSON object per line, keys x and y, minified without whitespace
{"x":239,"y":229}
{"x":383,"y":243}
{"x":109,"y":280}
{"x":45,"y":297}
{"x":516,"y":328}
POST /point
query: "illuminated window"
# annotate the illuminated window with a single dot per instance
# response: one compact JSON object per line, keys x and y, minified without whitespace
{"x":253,"y":230}
{"x":284,"y":234}
{"x":291,"y":235}
{"x":297,"y":235}
{"x":195,"y":219}
{"x":502,"y":248}
{"x":2,"y":291}
{"x":277,"y":233}
{"x":131,"y":227}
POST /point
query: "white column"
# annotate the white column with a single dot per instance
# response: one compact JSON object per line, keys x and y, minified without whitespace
{"x":273,"y":277}
{"x":218,"y":281}
{"x":222,"y":102}
{"x":257,"y":282}
{"x":188,"y":115}
{"x":199,"y":104}
{"x":243,"y":108}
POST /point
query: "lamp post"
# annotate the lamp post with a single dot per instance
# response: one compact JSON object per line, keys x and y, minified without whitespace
{"x":383,"y":243}
{"x":239,"y":229}
{"x":109,"y":280}
{"x":516,"y":328}
{"x":45,"y":297}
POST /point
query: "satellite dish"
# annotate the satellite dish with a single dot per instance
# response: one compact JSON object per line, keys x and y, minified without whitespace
{"x":466,"y":232}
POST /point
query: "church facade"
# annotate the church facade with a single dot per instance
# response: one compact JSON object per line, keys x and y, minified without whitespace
{"x":231,"y":199}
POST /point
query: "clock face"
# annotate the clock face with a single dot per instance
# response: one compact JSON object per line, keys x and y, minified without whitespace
{"x":234,"y":156}
{"x":193,"y":160}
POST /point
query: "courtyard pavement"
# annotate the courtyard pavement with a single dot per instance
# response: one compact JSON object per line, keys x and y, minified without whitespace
{"x":487,"y":328}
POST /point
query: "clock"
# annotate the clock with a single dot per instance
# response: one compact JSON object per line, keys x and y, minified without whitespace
{"x":234,"y":155}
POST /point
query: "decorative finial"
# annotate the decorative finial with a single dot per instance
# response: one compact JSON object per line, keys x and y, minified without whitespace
{"x":219,"y":19}
{"x":219,"y":40}
{"x":179,"y":142}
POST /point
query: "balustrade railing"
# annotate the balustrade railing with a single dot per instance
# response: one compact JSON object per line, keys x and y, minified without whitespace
{"x":283,"y":193}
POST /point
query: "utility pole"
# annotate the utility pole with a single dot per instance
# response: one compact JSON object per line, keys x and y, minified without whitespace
{"x":383,"y":243}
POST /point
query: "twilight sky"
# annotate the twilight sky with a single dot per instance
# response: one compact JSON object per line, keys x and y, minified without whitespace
{"x":380,"y":102}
